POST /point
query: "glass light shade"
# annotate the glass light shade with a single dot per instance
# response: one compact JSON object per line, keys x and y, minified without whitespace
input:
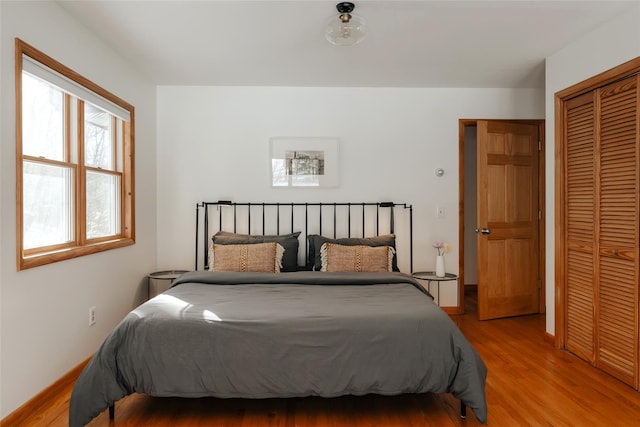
{"x":345,"y":33}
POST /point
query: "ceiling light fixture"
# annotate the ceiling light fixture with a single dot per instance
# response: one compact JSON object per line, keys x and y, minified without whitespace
{"x":347,"y":29}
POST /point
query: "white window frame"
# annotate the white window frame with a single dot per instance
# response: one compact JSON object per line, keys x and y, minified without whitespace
{"x":82,"y":90}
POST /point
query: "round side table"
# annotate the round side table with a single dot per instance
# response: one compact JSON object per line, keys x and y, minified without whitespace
{"x":430,"y":276}
{"x":160,"y":281}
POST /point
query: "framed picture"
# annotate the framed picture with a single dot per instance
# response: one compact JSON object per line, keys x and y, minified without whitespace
{"x":304,"y":162}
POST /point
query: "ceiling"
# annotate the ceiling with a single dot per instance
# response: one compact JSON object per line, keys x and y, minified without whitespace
{"x":281,"y":43}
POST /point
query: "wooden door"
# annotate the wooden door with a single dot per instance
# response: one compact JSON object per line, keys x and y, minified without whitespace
{"x":508,"y":217}
{"x":618,"y":235}
{"x":597,"y":221}
{"x":580,"y":228}
{"x":601,"y":230}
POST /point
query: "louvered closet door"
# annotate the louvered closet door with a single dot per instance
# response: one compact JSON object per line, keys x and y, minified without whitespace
{"x":580,"y":226}
{"x":617,"y":292}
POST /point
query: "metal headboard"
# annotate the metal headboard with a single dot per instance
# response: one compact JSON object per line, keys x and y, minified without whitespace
{"x":344,"y":220}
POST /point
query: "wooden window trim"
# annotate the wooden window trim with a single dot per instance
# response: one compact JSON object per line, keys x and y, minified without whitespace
{"x":81,"y":207}
{"x":80,"y":246}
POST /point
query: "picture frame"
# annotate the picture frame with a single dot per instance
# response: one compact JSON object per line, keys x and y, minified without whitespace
{"x":307,"y":162}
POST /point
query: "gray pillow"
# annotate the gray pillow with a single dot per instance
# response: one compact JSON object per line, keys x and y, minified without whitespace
{"x":316,"y":241}
{"x":288,"y":241}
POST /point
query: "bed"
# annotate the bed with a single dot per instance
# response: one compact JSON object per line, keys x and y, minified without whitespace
{"x":358,"y":326}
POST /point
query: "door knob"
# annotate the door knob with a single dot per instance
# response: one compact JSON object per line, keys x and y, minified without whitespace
{"x":483,"y":231}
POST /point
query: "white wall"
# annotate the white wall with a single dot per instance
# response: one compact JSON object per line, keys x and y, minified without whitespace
{"x":213,"y":143}
{"x":612,"y":44}
{"x":44,"y":310}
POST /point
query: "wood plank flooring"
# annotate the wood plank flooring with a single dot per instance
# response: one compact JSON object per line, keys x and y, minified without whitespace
{"x":529,"y":384}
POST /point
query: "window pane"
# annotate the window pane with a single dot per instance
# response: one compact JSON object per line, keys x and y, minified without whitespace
{"x":42,"y":119}
{"x":47,"y":202}
{"x":98,"y":141}
{"x":103,"y":205}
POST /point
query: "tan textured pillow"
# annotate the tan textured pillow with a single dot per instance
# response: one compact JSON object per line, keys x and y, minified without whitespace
{"x":361,"y":258}
{"x":258,"y":257}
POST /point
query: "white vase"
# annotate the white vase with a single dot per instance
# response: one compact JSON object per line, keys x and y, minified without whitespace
{"x":440,"y":266}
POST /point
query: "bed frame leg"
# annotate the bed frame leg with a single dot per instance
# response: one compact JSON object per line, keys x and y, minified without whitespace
{"x":463,"y":410}
{"x":112,"y":411}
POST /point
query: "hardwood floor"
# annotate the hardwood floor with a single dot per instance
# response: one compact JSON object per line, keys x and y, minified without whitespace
{"x":529,"y":384}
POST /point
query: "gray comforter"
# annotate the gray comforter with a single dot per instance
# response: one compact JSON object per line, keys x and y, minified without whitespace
{"x":255,"y":335}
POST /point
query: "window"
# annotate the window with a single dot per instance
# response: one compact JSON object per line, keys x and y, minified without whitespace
{"x":74,"y":163}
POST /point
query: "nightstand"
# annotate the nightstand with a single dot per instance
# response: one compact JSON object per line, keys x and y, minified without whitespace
{"x":430,"y":276}
{"x":160,"y":281}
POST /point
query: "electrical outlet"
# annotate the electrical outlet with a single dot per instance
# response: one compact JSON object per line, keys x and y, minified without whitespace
{"x":439,"y":212}
{"x":92,"y":315}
